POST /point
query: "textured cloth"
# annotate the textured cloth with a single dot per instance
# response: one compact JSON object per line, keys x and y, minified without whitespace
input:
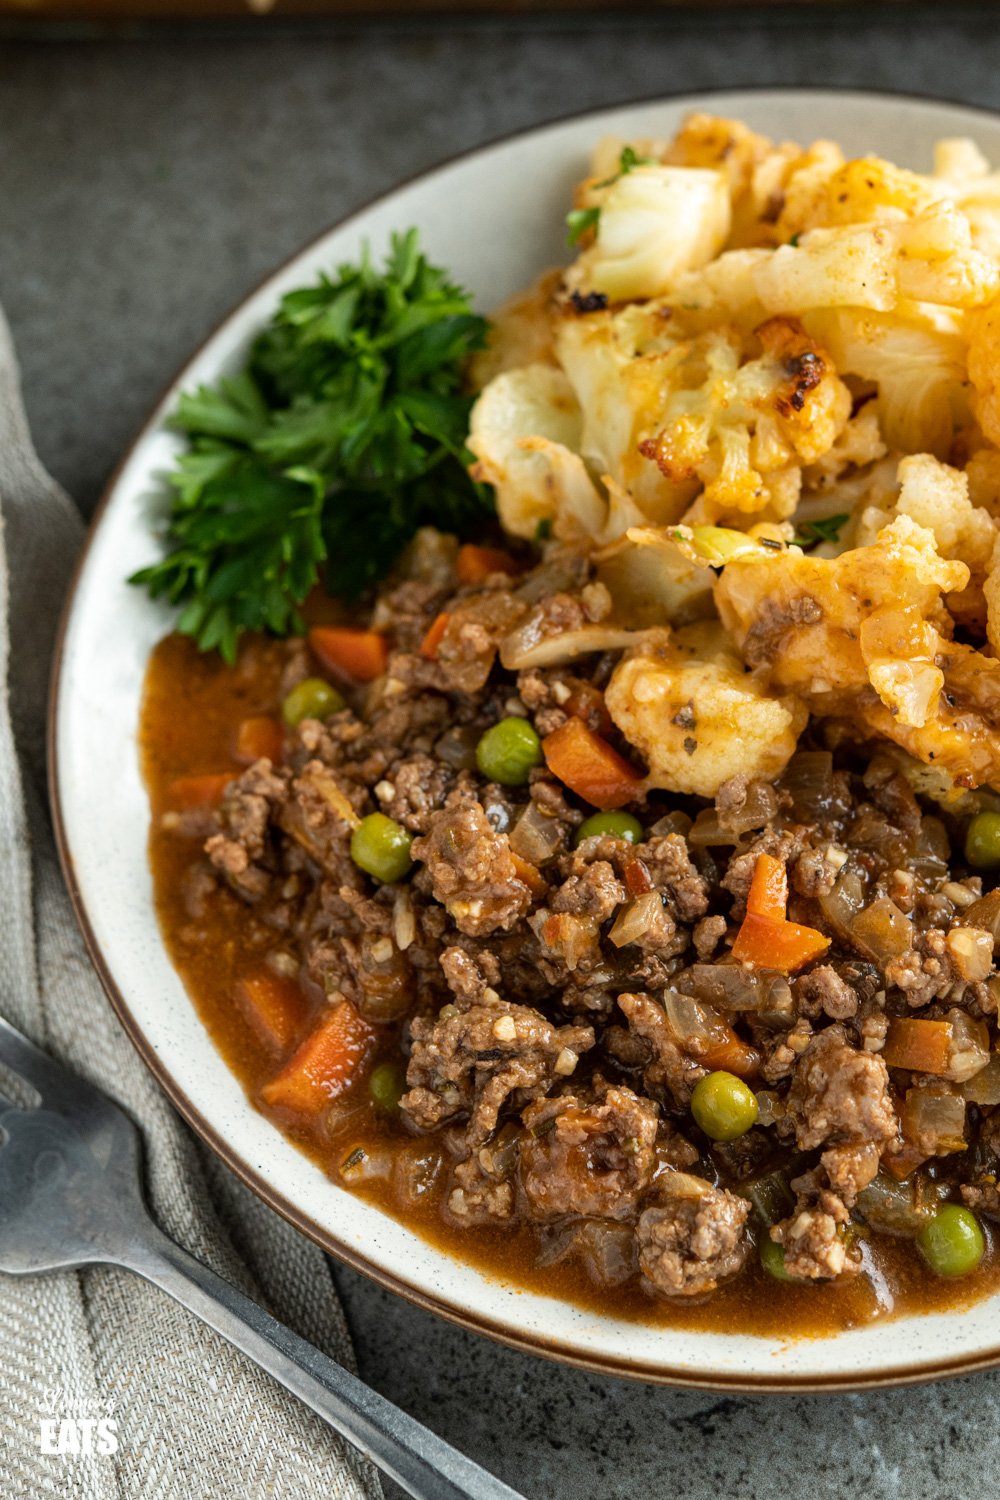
{"x":195,"y":1419}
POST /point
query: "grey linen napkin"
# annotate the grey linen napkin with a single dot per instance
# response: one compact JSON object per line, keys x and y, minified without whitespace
{"x":195,"y":1420}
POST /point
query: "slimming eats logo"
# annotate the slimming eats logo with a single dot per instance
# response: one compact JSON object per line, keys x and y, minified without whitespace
{"x":75,"y":1426}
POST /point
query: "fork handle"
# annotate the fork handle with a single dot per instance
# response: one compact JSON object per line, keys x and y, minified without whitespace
{"x":417,"y":1459}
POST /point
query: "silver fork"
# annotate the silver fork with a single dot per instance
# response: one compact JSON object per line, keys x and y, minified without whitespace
{"x":71,"y":1195}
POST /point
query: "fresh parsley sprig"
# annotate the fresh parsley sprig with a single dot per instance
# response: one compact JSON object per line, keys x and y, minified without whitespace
{"x":812,"y":533}
{"x":343,"y":434}
{"x":579,"y":221}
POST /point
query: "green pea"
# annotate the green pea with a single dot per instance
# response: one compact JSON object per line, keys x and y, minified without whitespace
{"x":982,"y":841}
{"x":387,"y":1085}
{"x":312,"y":698}
{"x":614,"y":825}
{"x":509,"y":751}
{"x":772,"y":1258}
{"x":723,"y":1106}
{"x":952,"y":1242}
{"x":381,"y":847}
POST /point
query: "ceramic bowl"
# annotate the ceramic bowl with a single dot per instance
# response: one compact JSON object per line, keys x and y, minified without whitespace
{"x":494,"y":217}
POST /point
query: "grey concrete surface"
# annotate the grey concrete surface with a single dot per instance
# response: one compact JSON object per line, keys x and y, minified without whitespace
{"x":144,"y":186}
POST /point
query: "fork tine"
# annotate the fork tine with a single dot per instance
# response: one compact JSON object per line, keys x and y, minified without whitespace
{"x":41,"y":1072}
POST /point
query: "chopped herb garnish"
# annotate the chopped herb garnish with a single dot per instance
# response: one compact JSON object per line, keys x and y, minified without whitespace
{"x":794,"y":241}
{"x":544,"y":529}
{"x":812,"y":533}
{"x":342,"y":435}
{"x":628,"y":159}
{"x":579,"y":221}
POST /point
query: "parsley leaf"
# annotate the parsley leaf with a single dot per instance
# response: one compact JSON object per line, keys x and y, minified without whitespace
{"x":343,"y":434}
{"x":811,"y":533}
{"x":579,"y":221}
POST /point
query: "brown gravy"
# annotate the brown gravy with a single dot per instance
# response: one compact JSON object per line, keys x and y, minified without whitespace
{"x":192,"y":706}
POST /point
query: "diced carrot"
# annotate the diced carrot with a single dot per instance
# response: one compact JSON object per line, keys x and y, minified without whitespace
{"x":357,"y":655}
{"x":731,"y":1055}
{"x":784,"y":946}
{"x":274,"y":1006}
{"x":768,"y":895}
{"x":432,"y":640}
{"x":529,"y":875}
{"x":587,"y":702}
{"x":589,"y":766}
{"x":921,"y":1046}
{"x":476,"y":564}
{"x":188,"y":792}
{"x":325,"y":1064}
{"x":637,"y":877}
{"x":258,"y":738}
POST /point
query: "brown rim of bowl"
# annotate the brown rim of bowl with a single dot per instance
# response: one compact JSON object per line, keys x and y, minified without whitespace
{"x":899,"y":1375}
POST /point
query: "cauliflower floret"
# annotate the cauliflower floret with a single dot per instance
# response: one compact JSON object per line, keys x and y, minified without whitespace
{"x":937,"y":496}
{"x":694,"y":714}
{"x":525,"y":432}
{"x":863,"y":637}
{"x":858,"y":446}
{"x":520,"y":333}
{"x":991,"y":592}
{"x":983,"y":473}
{"x":865,"y":190}
{"x":756,"y":169}
{"x":984,"y":369}
{"x":724,"y":291}
{"x":619,"y":396}
{"x":929,"y":258}
{"x":743,"y":427}
{"x":965,"y":174}
{"x":655,"y":223}
{"x":919,"y":372}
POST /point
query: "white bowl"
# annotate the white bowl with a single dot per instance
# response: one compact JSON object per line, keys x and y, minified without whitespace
{"x":494,"y":218}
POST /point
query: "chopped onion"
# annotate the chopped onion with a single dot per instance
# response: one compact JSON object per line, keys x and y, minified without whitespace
{"x":984,"y":1086}
{"x":535,"y":836}
{"x":931,"y":850}
{"x":841,"y":905}
{"x":985,"y":914}
{"x":881,"y":931}
{"x":606,"y":1250}
{"x":770,"y":1107}
{"x":808,"y":778}
{"x":673,"y":822}
{"x":707,"y":830}
{"x":691,"y":1020}
{"x":934,"y":1119}
{"x":367,"y":1163}
{"x":733,"y":987}
{"x":635,"y":919}
{"x":416,"y":1169}
{"x":457,"y":748}
{"x":895,"y":1207}
{"x":523,"y":647}
{"x":969,"y":1051}
{"x":758,"y":808}
{"x":332,"y":794}
{"x":971,"y":950}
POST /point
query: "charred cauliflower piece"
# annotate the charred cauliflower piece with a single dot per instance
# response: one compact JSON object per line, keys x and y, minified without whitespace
{"x":744,"y":426}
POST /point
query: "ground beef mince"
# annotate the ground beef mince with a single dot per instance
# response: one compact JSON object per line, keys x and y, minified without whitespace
{"x":473,"y":1061}
{"x":558,"y":1001}
{"x":694,"y":1238}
